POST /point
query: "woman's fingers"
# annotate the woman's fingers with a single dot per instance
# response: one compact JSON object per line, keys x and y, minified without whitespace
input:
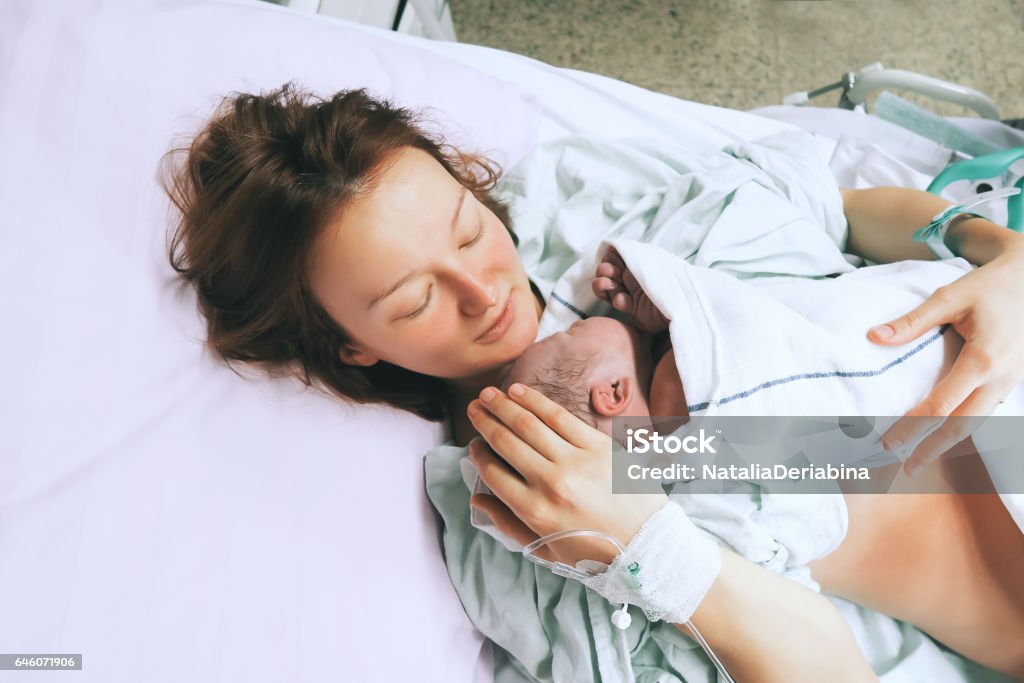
{"x":504,"y":519}
{"x":934,"y":311}
{"x":515,"y":432}
{"x":989,"y":366}
{"x":559,"y":420}
{"x":512,"y":432}
{"x":960,"y":425}
{"x":499,"y":477}
{"x":946,"y":398}
{"x":953,"y":431}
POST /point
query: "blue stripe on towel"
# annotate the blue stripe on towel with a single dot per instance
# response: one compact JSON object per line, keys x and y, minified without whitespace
{"x":568,"y":305}
{"x":819,"y":375}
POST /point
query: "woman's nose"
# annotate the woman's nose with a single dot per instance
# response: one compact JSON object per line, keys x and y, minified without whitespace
{"x":475,"y":294}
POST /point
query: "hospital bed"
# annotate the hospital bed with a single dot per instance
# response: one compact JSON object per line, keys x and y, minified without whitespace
{"x":171,"y":520}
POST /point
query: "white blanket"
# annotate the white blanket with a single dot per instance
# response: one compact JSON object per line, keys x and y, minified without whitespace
{"x":795,"y":346}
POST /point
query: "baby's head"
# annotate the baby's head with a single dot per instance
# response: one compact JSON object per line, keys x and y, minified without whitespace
{"x":597,"y":370}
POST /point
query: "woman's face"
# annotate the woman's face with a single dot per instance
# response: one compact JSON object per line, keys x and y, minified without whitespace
{"x":422,"y":275}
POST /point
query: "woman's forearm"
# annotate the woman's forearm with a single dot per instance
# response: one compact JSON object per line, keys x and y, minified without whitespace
{"x":979,"y":240}
{"x":883,"y":219}
{"x":768,"y":628}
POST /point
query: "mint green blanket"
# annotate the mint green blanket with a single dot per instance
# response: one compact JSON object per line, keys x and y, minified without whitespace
{"x":546,"y":628}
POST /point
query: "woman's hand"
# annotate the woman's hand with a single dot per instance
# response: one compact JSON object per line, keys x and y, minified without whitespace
{"x":554,"y":474}
{"x":980,"y":307}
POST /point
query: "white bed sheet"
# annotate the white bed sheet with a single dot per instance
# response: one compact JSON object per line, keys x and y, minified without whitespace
{"x":158,"y":514}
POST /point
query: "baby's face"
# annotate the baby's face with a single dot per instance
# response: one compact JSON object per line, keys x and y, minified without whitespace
{"x":609,"y":346}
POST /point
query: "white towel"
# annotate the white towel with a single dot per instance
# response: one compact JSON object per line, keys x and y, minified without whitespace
{"x":796,"y":346}
{"x":784,"y":346}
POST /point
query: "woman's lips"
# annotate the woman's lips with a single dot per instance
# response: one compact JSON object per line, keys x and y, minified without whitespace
{"x":501,"y":325}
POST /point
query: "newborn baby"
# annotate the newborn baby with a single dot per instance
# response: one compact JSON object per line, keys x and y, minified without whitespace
{"x":602,"y":368}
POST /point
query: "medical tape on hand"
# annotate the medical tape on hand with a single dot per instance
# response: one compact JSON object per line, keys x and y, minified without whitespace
{"x":665,"y":570}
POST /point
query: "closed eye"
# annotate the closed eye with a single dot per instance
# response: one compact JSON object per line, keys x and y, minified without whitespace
{"x":479,"y":234}
{"x":421,"y":308}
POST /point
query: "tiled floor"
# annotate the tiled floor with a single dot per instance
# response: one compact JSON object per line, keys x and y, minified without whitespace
{"x":750,"y":53}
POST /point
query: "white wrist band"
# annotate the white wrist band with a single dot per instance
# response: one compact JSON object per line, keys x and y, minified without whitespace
{"x":666,"y":569}
{"x":934,"y":234}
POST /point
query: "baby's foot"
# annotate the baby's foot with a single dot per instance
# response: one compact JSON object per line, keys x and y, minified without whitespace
{"x":614,"y":283}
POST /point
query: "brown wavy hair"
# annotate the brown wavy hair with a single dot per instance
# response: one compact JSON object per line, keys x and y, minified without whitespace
{"x":254,"y":188}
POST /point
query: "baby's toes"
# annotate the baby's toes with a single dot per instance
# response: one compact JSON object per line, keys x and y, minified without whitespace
{"x":622,"y":302}
{"x":606,"y":269}
{"x":603,"y":287}
{"x":612,"y":257}
{"x":629,"y":281}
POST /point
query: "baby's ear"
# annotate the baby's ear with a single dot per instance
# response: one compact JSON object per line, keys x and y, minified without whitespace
{"x":353,"y":355}
{"x":611,"y":397}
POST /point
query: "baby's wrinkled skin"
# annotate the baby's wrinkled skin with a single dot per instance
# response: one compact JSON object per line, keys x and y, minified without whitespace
{"x":610,"y":361}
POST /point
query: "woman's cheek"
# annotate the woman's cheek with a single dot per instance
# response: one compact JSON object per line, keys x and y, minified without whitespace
{"x":502,"y":249}
{"x":441,"y":339}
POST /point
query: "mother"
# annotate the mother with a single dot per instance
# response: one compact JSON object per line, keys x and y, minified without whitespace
{"x":336,"y":238}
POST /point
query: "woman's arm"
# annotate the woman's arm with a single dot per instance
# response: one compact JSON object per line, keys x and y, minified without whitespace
{"x":883,"y":219}
{"x":980,"y":305}
{"x":555,"y":474}
{"x":762,"y":626}
{"x":768,"y":628}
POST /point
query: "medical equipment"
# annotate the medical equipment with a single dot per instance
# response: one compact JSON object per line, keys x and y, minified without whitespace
{"x":857,"y":85}
{"x":987,"y":173}
{"x":620,"y":617}
{"x":928,"y":124}
{"x":934,"y":234}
